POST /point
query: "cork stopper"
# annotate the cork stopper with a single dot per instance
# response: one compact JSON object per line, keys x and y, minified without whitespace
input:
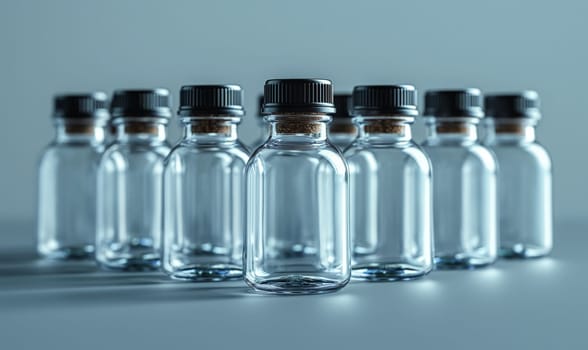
{"x":82,"y":129}
{"x":141,"y":128}
{"x":385,"y":127}
{"x":343,"y":128}
{"x":452,"y":128}
{"x":210,"y":127}
{"x":514,"y":128}
{"x":297,"y":125}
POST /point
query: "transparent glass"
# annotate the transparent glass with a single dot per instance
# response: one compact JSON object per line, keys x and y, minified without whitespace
{"x":264,"y":134}
{"x":67,"y":190}
{"x":204,"y":202}
{"x":342,"y":132}
{"x":464,"y":194}
{"x":526,"y":228}
{"x":130,"y":197}
{"x":390,"y":201}
{"x":297,"y":210}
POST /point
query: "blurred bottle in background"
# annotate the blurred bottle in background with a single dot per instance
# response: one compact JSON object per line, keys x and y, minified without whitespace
{"x":464,"y":180}
{"x":263,"y":126}
{"x":524,"y":174}
{"x":390,"y":187}
{"x":342,"y":131}
{"x":67,"y":177}
{"x":204,"y":187}
{"x":130,"y":181}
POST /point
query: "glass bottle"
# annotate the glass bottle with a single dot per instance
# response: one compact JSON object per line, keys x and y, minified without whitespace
{"x":67,"y":177}
{"x":262,"y":126}
{"x":464,"y":180}
{"x":130,"y":181}
{"x":342,"y":131}
{"x":297,"y":195}
{"x":390,"y":187}
{"x":524,"y":174}
{"x":204,"y":187}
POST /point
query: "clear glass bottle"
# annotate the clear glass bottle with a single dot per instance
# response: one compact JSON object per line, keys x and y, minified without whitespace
{"x":464,"y":180}
{"x":204,"y":187}
{"x":67,"y":177}
{"x":390,"y":187}
{"x":342,"y":131}
{"x":297,"y":195}
{"x":130,"y":181}
{"x":262,"y":126}
{"x":524,"y":179}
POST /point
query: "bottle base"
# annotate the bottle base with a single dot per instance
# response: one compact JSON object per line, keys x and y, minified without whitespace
{"x":211,"y":273}
{"x":521,"y":251}
{"x":296,"y":284}
{"x":388,"y":272}
{"x":131,"y":264}
{"x":69,"y":253}
{"x":461,"y":263}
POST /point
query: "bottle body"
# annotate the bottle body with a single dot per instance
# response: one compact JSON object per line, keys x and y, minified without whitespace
{"x":67,"y":193}
{"x":464,"y":197}
{"x":526,"y":228}
{"x":130,"y":182}
{"x":204,"y":208}
{"x":390,"y":206}
{"x":297,"y":210}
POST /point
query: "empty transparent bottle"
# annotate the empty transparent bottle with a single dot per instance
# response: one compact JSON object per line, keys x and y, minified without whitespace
{"x":390,"y":187}
{"x":524,"y":175}
{"x":342,"y":131}
{"x":262,"y":126}
{"x":464,"y":180}
{"x":204,"y":187}
{"x":130,"y":181}
{"x":297,"y":194}
{"x":67,"y":177}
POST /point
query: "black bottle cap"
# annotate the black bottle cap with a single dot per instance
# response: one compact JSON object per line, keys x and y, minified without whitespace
{"x":385,"y":100}
{"x":454,"y":103}
{"x":342,"y":106}
{"x":91,"y":105}
{"x":525,"y":104}
{"x":298,"y":96}
{"x":206,"y":100}
{"x":141,"y":103}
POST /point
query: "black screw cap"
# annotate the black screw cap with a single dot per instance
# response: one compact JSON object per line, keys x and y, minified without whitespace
{"x":298,"y":96}
{"x":525,"y":104}
{"x":385,"y":100}
{"x":211,"y":100}
{"x":84,"y":106}
{"x":454,"y":103}
{"x":141,"y":103}
{"x":342,"y":106}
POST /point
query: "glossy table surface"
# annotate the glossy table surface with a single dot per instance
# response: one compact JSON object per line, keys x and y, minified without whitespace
{"x":535,"y":304}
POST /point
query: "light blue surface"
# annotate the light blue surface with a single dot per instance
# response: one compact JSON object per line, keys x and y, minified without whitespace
{"x":538,"y":304}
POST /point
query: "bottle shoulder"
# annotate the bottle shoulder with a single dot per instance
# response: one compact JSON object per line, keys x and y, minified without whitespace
{"x":233,"y":151}
{"x":160,"y":149}
{"x":304,"y":154}
{"x":530,"y":153}
{"x":405,"y":153}
{"x":471,"y":153}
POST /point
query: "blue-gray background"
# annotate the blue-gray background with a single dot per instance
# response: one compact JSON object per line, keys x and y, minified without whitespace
{"x":61,"y":46}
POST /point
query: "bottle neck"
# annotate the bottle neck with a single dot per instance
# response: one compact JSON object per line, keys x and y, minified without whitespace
{"x":460,"y":129}
{"x":298,"y":127}
{"x":210,"y":129}
{"x":510,"y":130}
{"x":140,"y":129}
{"x":384,"y":129}
{"x":76,"y":131}
{"x":343,"y":126}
